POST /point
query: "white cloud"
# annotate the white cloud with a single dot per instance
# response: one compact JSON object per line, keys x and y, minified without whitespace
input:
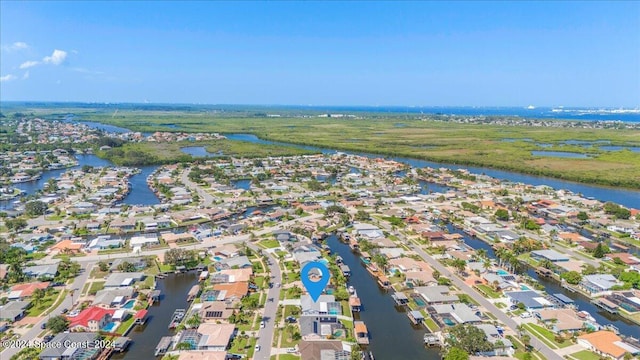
{"x":28,"y":64}
{"x":8,"y":77}
{"x":56,"y":58}
{"x":18,"y":45}
{"x":26,"y":75}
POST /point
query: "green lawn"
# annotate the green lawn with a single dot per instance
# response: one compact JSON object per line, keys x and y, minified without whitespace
{"x":585,"y":355}
{"x":488,"y":291}
{"x":260,"y":281}
{"x":44,"y":304}
{"x":431,"y":324}
{"x":96,"y":286}
{"x":547,"y":336}
{"x":242,"y":345}
{"x":125,"y":325}
{"x":285,"y":357}
{"x":269,"y":244}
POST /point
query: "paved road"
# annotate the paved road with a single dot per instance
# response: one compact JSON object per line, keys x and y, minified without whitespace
{"x":32,"y":334}
{"x":265,"y":335}
{"x":206,"y":198}
{"x":509,"y":322}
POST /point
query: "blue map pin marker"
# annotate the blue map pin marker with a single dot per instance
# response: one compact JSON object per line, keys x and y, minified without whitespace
{"x":315,"y":288}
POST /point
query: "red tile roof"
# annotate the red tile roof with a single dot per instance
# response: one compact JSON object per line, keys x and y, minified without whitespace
{"x":93,"y":313}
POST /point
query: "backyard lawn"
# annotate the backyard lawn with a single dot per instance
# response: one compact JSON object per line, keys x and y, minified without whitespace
{"x":585,"y":355}
{"x":547,"y":336}
{"x":269,"y":244}
{"x":488,"y":291}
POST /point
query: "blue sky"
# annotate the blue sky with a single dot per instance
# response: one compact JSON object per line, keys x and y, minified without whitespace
{"x":323,"y":53}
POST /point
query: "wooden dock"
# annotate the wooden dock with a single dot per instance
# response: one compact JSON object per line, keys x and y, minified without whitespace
{"x":361,"y":331}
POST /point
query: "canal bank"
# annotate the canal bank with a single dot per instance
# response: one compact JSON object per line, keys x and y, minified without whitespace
{"x":391,"y":334}
{"x":174,"y":289}
{"x":551,"y":286}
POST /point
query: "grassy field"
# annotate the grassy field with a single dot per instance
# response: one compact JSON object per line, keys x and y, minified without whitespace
{"x":415,"y":136}
{"x":585,"y":355}
{"x":546,"y":336}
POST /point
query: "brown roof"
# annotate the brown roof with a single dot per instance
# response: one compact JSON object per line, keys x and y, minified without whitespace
{"x":603,"y":341}
{"x":234,"y":290}
{"x":310,"y":349}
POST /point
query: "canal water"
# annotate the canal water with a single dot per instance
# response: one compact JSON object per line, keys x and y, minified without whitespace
{"x":601,"y":316}
{"x":174,"y":288}
{"x":140,"y":193}
{"x":392,"y":334}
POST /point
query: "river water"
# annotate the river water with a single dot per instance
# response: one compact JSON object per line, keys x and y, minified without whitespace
{"x":174,"y":288}
{"x":392,"y":334}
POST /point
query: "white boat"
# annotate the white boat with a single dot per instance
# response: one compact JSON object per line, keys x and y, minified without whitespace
{"x":352,"y":290}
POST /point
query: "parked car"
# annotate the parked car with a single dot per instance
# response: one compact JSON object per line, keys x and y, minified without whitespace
{"x":262,"y":324}
{"x":257,"y":348}
{"x":525,"y":315}
{"x":47,"y":338}
{"x":65,"y":310}
{"x":43,"y":326}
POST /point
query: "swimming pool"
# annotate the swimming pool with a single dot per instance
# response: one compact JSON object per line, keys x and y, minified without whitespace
{"x":502,"y":272}
{"x":110,"y":327}
{"x":419,"y":301}
{"x":129,"y":304}
{"x":448,"y":322}
{"x":524,"y":287}
{"x":217,"y":258}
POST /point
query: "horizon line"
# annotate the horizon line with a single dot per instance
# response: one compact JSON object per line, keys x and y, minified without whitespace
{"x":636,"y":107}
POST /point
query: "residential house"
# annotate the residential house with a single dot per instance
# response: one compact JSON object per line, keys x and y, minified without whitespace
{"x":42,"y":271}
{"x":320,"y":317}
{"x":607,"y":343}
{"x":314,"y":349}
{"x":123,"y":279}
{"x":458,"y":312}
{"x":215,"y":337}
{"x":560,"y":320}
{"x":531,"y":299}
{"x":23,"y":291}
{"x":91,"y":319}
{"x":13,"y":310}
{"x":214,"y":311}
{"x":599,"y":283}
{"x":550,"y":255}
{"x":438,"y":294}
{"x":72,"y":352}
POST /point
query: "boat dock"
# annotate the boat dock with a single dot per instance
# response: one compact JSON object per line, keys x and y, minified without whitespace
{"x":606,"y":305}
{"x":163,"y":346}
{"x":177,"y":318}
{"x":416,"y":317}
{"x":361,"y":331}
{"x":432,"y":340}
{"x":193,"y":293}
{"x":400,"y":298}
